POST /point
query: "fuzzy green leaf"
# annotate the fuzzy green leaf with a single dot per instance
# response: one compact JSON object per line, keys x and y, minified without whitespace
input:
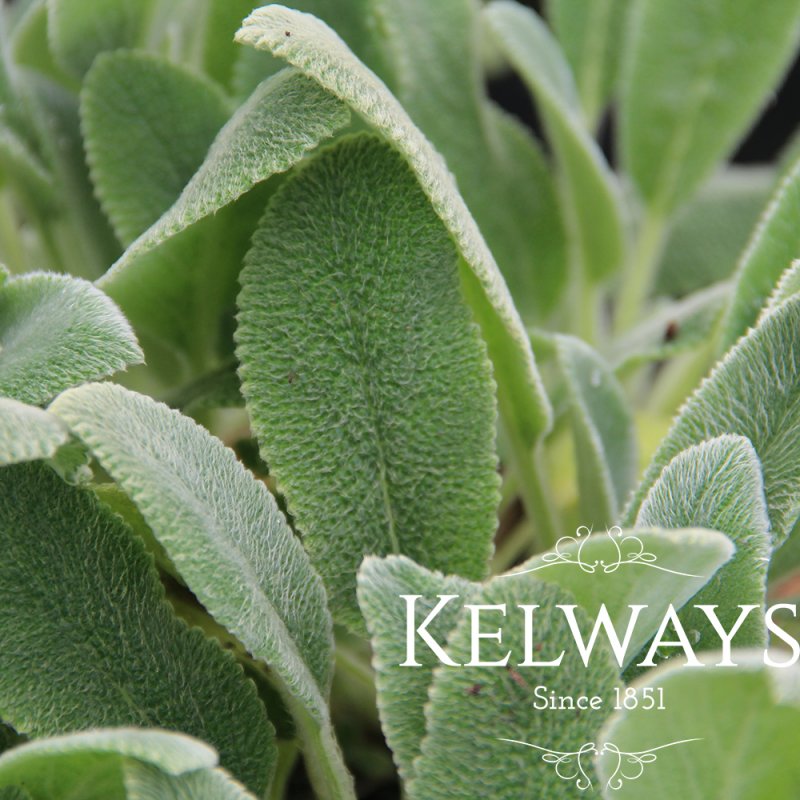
{"x":56,"y":332}
{"x":752,"y":393}
{"x":604,"y":435}
{"x":315,"y":49}
{"x":709,"y":233}
{"x":718,"y":484}
{"x":220,"y":527}
{"x":590,"y":33}
{"x":403,"y":691}
{"x":27,"y":433}
{"x":617,"y":568}
{"x":775,"y":244}
{"x":80,"y":29}
{"x":693,"y":83}
{"x":145,"y":782}
{"x":497,"y":703}
{"x":788,"y":286}
{"x":367,"y":382}
{"x":89,"y":766}
{"x":147,"y":125}
{"x":190,"y":258}
{"x":590,"y":195}
{"x":438,"y":78}
{"x":744,"y":727}
{"x":91,"y":641}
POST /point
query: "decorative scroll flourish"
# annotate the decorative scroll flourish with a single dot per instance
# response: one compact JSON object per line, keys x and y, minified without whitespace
{"x":569,"y":765}
{"x":629,"y":549}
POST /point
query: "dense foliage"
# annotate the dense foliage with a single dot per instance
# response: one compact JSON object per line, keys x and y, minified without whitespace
{"x":295,"y":321}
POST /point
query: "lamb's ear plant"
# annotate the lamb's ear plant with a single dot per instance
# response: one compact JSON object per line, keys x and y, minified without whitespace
{"x":311,"y":355}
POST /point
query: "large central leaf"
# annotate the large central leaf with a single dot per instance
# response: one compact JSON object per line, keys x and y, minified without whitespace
{"x":367,"y":382}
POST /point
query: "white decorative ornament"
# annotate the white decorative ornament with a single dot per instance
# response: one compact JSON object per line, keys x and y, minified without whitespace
{"x":628,"y":547}
{"x":569,"y":764}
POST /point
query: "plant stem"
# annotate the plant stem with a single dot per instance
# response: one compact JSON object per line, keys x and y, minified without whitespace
{"x":323,"y":758}
{"x":512,"y":548}
{"x":287,"y":758}
{"x":638,"y":277}
{"x":534,"y":496}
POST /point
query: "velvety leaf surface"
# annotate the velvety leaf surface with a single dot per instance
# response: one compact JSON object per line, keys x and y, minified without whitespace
{"x":315,"y":49}
{"x":56,"y":332}
{"x":718,"y":484}
{"x":145,"y":782}
{"x":788,"y":286}
{"x":367,"y":383}
{"x":747,"y":721}
{"x":91,"y":641}
{"x":80,"y":29}
{"x":709,"y":233}
{"x":590,"y":195}
{"x":284,"y":118}
{"x":752,"y":393}
{"x":403,"y":691}
{"x":591,"y":34}
{"x":89,"y":766}
{"x":196,"y":271}
{"x":147,"y":125}
{"x":437,"y":75}
{"x":692,"y":84}
{"x":773,"y":247}
{"x":27,"y":433}
{"x":618,"y":568}
{"x":470,"y":760}
{"x":220,"y":527}
{"x":603,"y":431}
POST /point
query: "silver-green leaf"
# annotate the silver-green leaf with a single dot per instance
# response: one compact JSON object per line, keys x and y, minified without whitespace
{"x":692,"y":83}
{"x":367,"y":382}
{"x":90,"y":641}
{"x":56,"y":332}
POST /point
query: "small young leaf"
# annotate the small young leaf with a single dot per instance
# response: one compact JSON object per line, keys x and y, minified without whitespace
{"x":752,"y":393}
{"x":27,"y":433}
{"x":738,"y":729}
{"x":56,"y":332}
{"x":685,"y":561}
{"x":315,"y":49}
{"x":452,"y":764}
{"x":591,"y":198}
{"x":437,"y":77}
{"x":692,"y":84}
{"x":367,"y":383}
{"x":80,"y":29}
{"x":708,"y":235}
{"x":60,"y":766}
{"x":775,"y":244}
{"x":591,"y":33}
{"x":718,"y":484}
{"x":91,"y":641}
{"x":602,"y":424}
{"x":671,"y":329}
{"x":403,"y":691}
{"x":229,"y":542}
{"x":147,"y":127}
